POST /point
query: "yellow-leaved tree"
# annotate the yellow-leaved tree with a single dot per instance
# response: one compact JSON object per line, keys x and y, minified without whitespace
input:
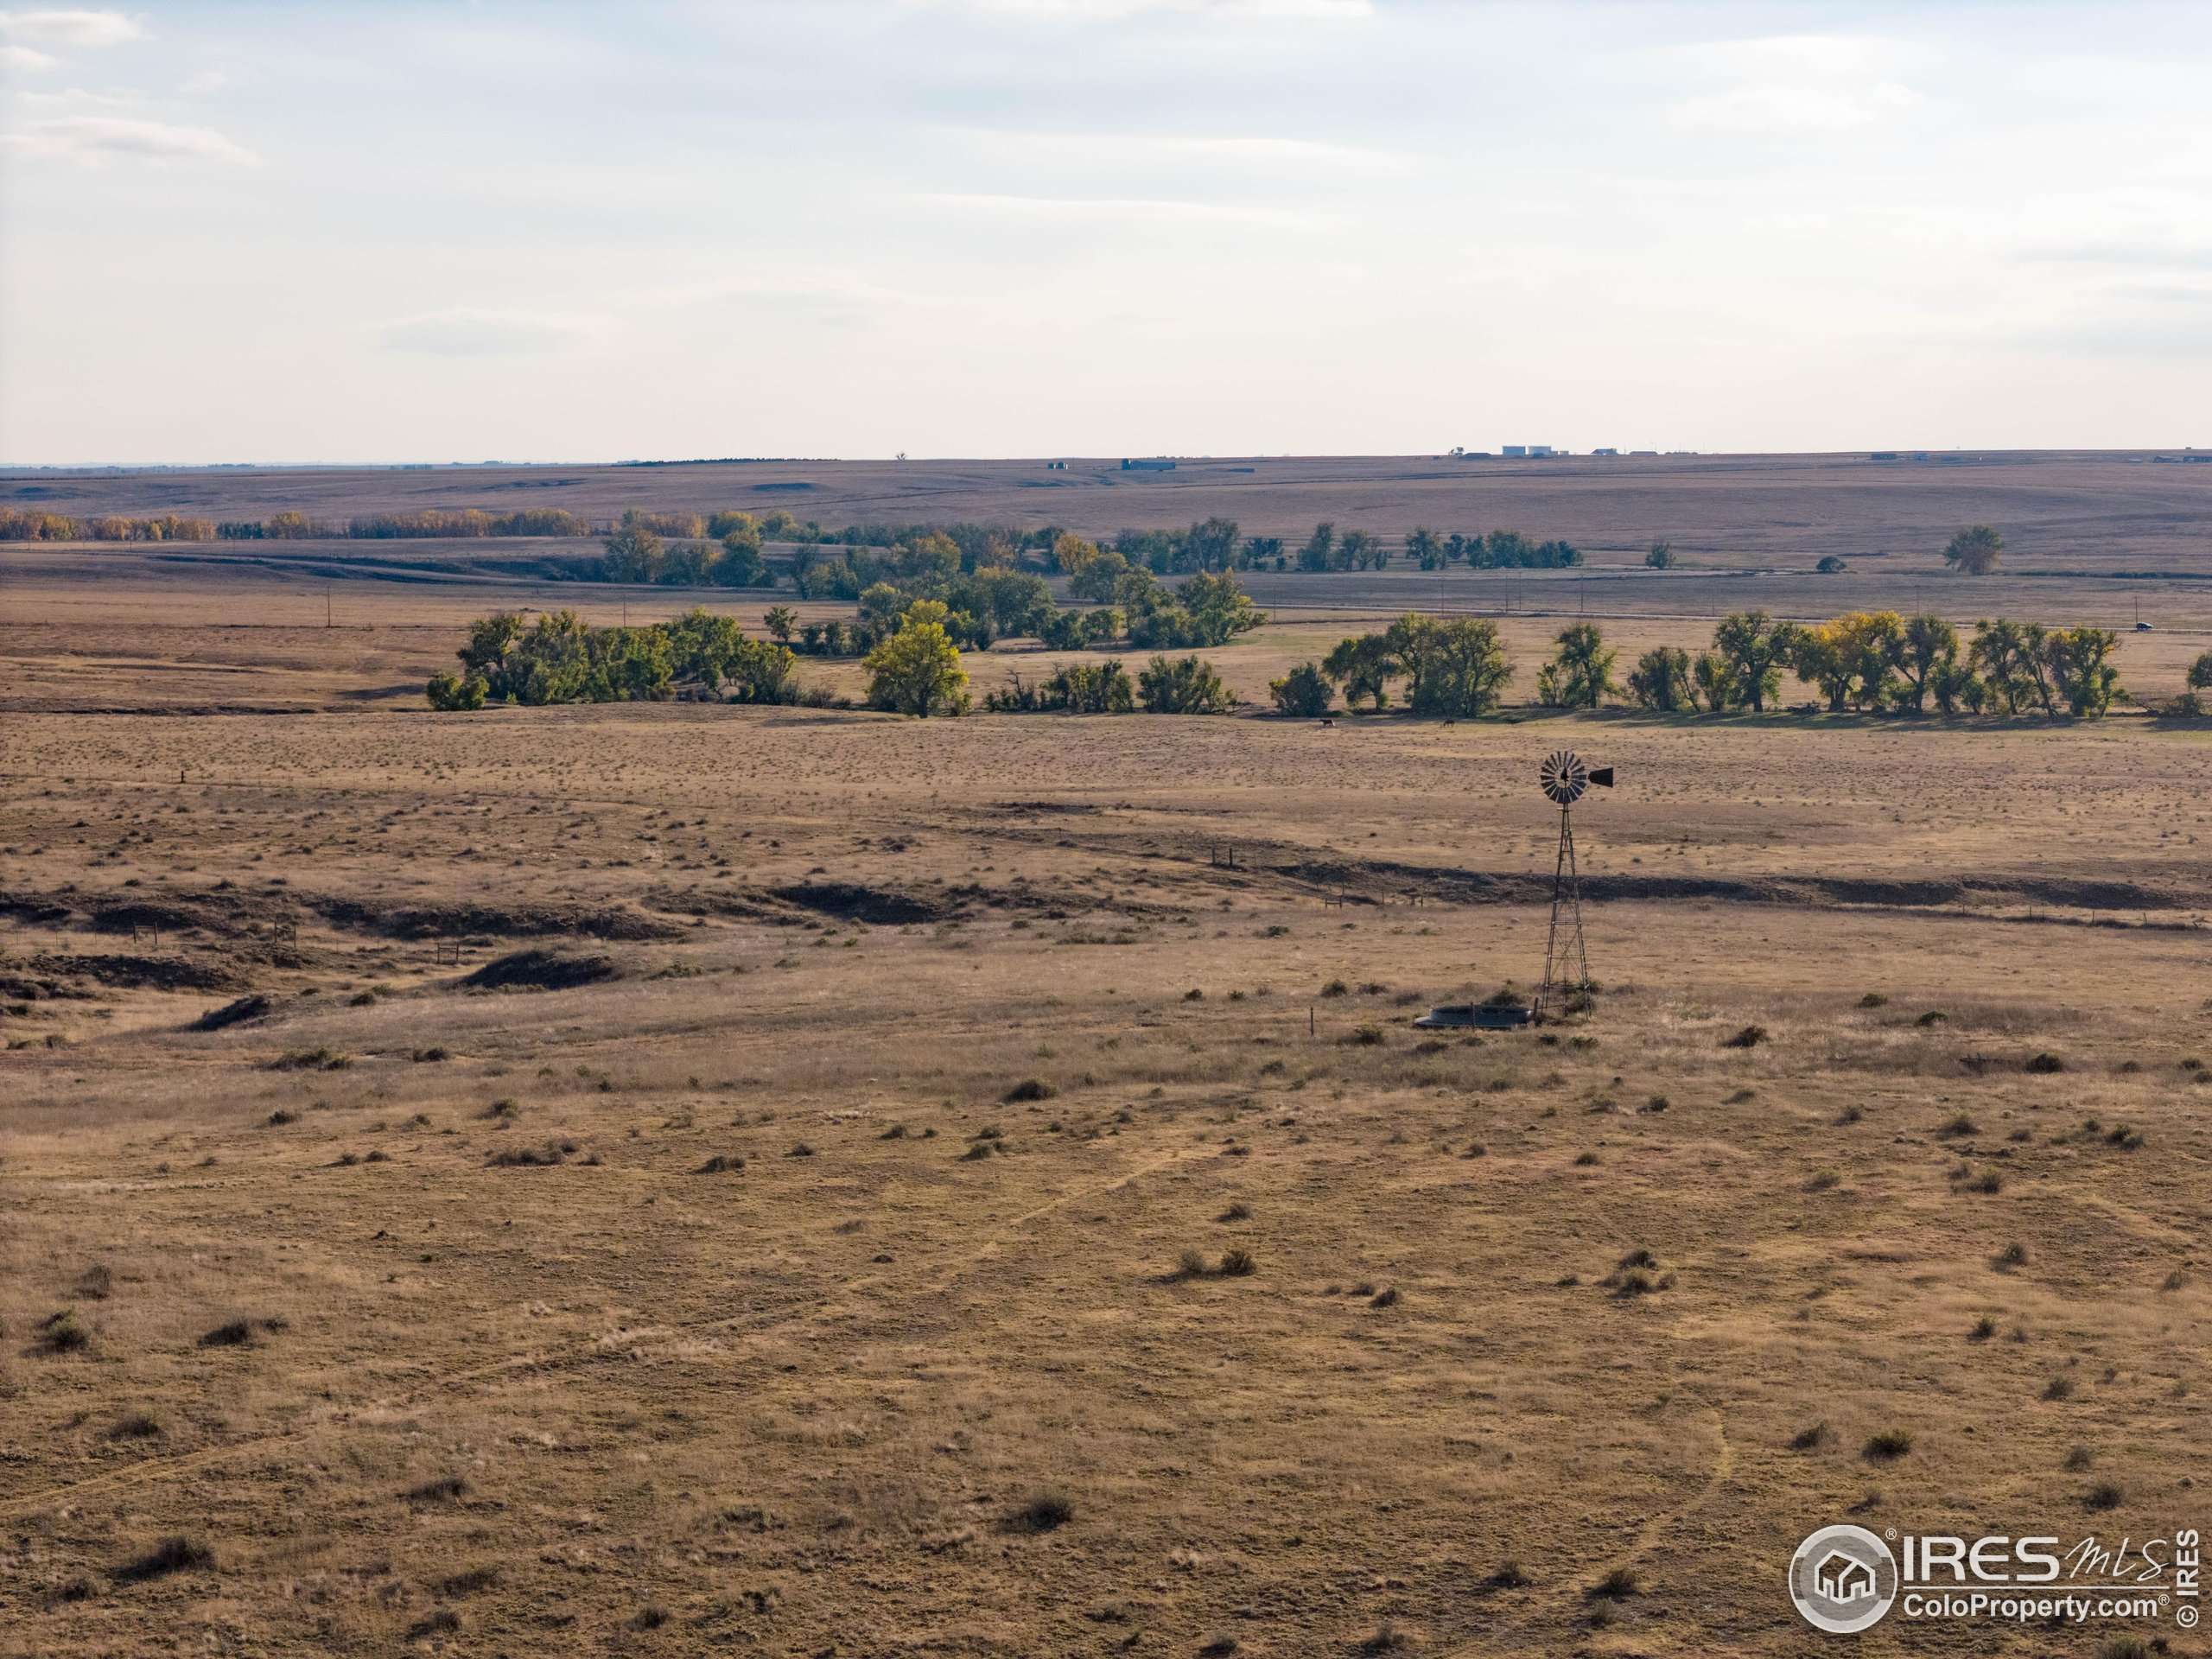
{"x":916,"y":670}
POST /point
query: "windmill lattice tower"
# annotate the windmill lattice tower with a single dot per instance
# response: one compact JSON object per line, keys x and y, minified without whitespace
{"x":1563,"y":776}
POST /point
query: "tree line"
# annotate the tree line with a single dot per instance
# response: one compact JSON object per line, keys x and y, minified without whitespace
{"x":1863,"y":662}
{"x":562,"y":658}
{"x":22,"y":525}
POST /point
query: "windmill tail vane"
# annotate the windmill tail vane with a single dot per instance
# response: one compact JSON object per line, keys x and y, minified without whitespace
{"x":1563,"y":776}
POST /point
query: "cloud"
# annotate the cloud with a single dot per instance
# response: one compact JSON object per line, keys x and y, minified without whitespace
{"x":1782,"y":107}
{"x":98,"y":138}
{"x":1124,"y":207}
{"x":464,"y":330}
{"x":1116,"y":10}
{"x":1128,"y":148}
{"x":1791,"y":83}
{"x":23,"y":60}
{"x":71,"y":27}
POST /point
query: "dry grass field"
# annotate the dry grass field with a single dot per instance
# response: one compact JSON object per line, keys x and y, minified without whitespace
{"x":680,"y":1179}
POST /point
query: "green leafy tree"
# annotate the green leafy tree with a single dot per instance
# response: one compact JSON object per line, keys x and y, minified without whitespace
{"x":1184,"y":685}
{"x":1211,"y":545}
{"x":1304,"y":692}
{"x":2078,"y":661}
{"x":1580,"y":673}
{"x":917,"y":669}
{"x":1425,"y":547}
{"x":2001,"y":652}
{"x":1363,"y":664}
{"x":1921,"y":652}
{"x":450,"y":692}
{"x":634,"y":554}
{"x":1320,"y":548}
{"x":1661,"y":556}
{"x":1091,"y":689}
{"x":1755,"y":648}
{"x":1357,"y":550}
{"x":2200,"y":672}
{"x":1407,"y":640}
{"x":1463,"y":670}
{"x":779,"y":621}
{"x":1828,"y":565}
{"x":492,"y":640}
{"x":1974,"y":551}
{"x":1661,"y":681}
{"x":740,"y":564}
{"x":1099,"y":579}
{"x":1716,"y":682}
{"x":1955,"y":686}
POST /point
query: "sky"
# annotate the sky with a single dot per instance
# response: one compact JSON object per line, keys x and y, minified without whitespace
{"x":461,"y":232}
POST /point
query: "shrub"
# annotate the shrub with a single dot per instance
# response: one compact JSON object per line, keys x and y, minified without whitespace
{"x":63,"y":1332}
{"x":1749,"y":1037}
{"x":1616,"y":1586}
{"x":1303,"y":694}
{"x":1888,"y":1446}
{"x":2046,"y":1063}
{"x":1044,"y":1511}
{"x":1030,"y":1088}
{"x":1237,"y":1264}
{"x":231,"y":1333}
{"x":1186,"y":685}
{"x":1809,"y":1440}
{"x":446,"y":1489}
{"x":722,"y":1163}
{"x":2105,"y":1495}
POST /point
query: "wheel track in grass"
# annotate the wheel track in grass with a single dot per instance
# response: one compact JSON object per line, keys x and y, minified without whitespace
{"x":156,"y":1471}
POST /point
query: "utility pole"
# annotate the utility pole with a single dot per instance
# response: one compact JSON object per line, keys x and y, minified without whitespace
{"x":327,"y":622}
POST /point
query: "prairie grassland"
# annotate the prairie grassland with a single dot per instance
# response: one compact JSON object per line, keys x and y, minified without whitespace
{"x":844,"y":1256}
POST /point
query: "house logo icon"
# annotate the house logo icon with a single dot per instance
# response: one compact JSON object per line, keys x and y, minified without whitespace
{"x":1843,"y":1578}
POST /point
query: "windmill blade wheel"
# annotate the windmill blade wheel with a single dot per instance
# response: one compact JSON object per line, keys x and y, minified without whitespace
{"x":1564,"y":777}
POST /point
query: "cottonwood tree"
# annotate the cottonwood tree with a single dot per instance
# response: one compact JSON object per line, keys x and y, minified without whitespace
{"x":1320,"y":547}
{"x":1304,"y":692}
{"x":1661,"y":681}
{"x":1661,"y":556}
{"x":916,"y":670}
{"x":1923,"y":650}
{"x":1363,"y":664}
{"x":779,"y":621}
{"x":1755,"y":648}
{"x":1973,"y":551}
{"x":1463,"y":670}
{"x":1425,"y":547}
{"x":1580,"y":673}
{"x":2077,"y":661}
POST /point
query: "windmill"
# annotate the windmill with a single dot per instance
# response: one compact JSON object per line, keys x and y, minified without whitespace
{"x":1564,"y":775}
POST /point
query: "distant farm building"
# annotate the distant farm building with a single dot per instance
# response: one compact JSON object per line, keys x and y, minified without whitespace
{"x":1528,"y":451}
{"x":1147,"y":466}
